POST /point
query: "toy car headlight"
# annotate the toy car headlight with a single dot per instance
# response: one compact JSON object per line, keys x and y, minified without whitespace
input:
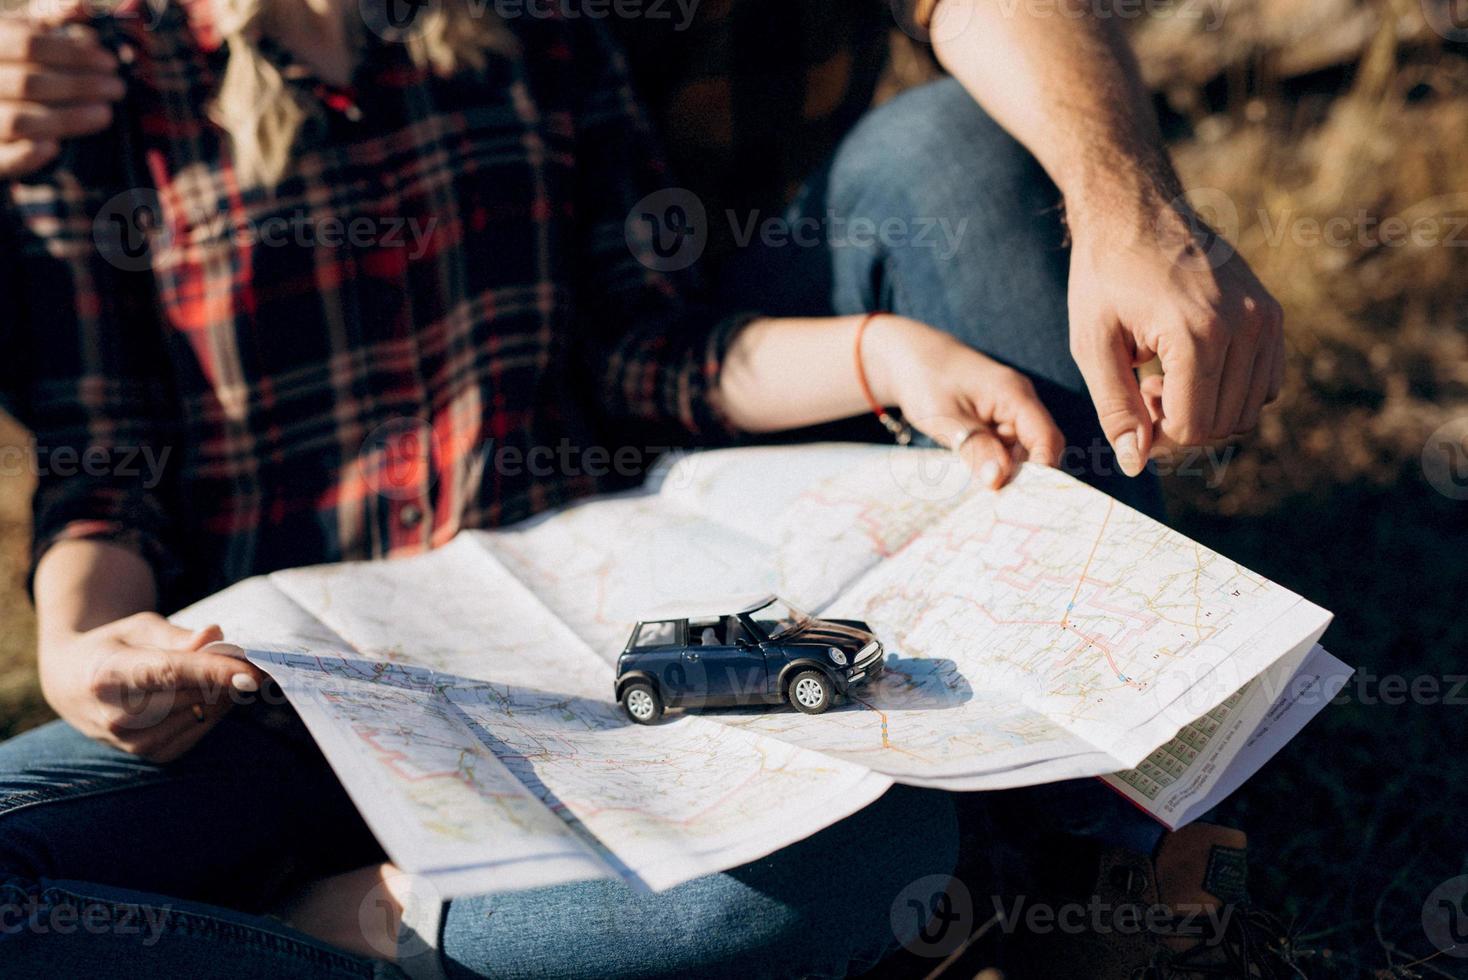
{"x":837,"y":657}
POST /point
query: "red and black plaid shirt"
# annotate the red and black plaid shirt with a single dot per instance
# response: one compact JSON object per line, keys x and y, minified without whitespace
{"x":439,"y":319}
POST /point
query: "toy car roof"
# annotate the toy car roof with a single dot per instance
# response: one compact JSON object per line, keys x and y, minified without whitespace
{"x":708,"y":608}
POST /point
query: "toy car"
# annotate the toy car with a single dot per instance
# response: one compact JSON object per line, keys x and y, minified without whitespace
{"x":765,"y":652}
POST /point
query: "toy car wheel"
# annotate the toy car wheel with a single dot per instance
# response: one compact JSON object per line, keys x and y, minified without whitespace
{"x":642,"y":703}
{"x":810,"y":692}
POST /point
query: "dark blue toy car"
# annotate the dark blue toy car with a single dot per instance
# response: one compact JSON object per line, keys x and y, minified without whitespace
{"x":766,"y":652}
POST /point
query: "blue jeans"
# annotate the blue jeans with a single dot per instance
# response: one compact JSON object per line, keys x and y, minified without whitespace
{"x":929,"y":209}
{"x":116,"y":867}
{"x":111,"y":866}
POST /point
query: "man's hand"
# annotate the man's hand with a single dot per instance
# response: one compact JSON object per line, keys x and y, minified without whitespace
{"x":1177,"y":292}
{"x":142,"y":684}
{"x":1146,"y":279}
{"x":57,"y":82}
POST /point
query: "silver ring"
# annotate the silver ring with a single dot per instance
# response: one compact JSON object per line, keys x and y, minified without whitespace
{"x":965,"y":436}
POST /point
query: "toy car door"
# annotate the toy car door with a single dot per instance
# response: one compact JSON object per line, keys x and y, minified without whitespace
{"x":661,"y":643}
{"x":736,"y":671}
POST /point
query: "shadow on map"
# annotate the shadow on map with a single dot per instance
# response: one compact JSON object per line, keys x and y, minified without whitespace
{"x":907,"y":684}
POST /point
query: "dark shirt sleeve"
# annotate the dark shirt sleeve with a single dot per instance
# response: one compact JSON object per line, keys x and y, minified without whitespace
{"x":656,"y":351}
{"x":87,"y":361}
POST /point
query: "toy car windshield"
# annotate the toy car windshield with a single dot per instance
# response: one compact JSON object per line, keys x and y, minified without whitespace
{"x":778,"y":617}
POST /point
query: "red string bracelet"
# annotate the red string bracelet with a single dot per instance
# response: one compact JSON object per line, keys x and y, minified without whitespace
{"x":900,"y":430}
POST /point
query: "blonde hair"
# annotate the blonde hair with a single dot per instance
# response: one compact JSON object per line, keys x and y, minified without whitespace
{"x":262,"y":113}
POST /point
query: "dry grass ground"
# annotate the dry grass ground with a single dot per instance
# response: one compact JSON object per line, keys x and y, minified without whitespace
{"x":1358,"y":119}
{"x":1361,"y":818}
{"x":20,"y":695}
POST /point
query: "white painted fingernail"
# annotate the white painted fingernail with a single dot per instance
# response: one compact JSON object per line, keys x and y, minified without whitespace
{"x":1127,"y":454}
{"x":244,"y":683}
{"x":989,"y":474}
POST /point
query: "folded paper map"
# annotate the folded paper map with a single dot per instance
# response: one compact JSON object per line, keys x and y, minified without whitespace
{"x":1038,"y":633}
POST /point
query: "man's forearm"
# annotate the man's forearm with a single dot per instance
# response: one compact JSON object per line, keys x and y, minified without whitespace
{"x":1065,"y":84}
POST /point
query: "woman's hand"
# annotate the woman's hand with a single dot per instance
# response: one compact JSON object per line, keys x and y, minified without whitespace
{"x":55,"y":85}
{"x":959,"y":397}
{"x":142,"y":684}
{"x":788,"y":372}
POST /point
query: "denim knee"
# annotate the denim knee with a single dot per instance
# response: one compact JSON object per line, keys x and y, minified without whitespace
{"x":822,"y":907}
{"x":937,"y":213}
{"x":32,"y":775}
{"x":933,"y":147}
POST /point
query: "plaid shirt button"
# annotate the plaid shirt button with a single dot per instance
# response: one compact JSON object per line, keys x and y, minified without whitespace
{"x":410,"y":516}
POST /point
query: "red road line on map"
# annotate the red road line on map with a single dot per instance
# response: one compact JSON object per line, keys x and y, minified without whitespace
{"x":1100,"y":644}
